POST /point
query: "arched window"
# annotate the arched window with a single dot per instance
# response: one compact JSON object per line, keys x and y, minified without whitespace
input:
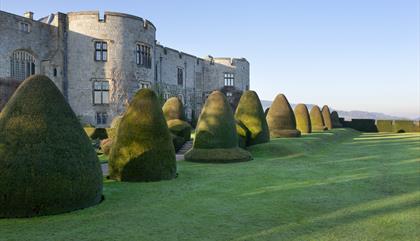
{"x":22,"y":65}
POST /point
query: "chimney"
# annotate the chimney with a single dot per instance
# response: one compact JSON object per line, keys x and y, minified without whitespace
{"x":29,"y":15}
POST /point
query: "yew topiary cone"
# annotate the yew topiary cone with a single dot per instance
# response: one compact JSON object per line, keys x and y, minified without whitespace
{"x":303,"y":121}
{"x":326,"y":115}
{"x":317,"y":120}
{"x":47,"y":163}
{"x":251,"y":114}
{"x":142,"y":149}
{"x":216,"y":139}
{"x":281,"y":119}
{"x":173,"y":110}
{"x":335,"y":119}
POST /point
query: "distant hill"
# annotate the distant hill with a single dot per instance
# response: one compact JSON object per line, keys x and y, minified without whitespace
{"x":354,"y":114}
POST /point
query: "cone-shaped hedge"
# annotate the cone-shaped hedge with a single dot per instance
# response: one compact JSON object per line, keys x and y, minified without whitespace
{"x":326,"y":115}
{"x":142,"y":149}
{"x":335,"y":119}
{"x":281,"y":119}
{"x":47,"y":163}
{"x":216,"y":139}
{"x":251,"y":114}
{"x":303,"y":121}
{"x":317,"y":120}
{"x":173,"y":109}
{"x":180,"y":128}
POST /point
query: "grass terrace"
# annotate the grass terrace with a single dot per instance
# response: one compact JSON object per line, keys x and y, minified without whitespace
{"x":333,"y":185}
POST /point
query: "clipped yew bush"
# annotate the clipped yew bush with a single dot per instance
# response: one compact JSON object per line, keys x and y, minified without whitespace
{"x":216,"y":139}
{"x":281,"y":119}
{"x":317,"y":120}
{"x":303,"y":121}
{"x":47,"y":163}
{"x":326,"y":115}
{"x":384,"y":126}
{"x":142,"y":149}
{"x":251,"y":115}
{"x":173,"y":109}
{"x":180,"y":128}
{"x":174,"y":113}
{"x":335,"y":119}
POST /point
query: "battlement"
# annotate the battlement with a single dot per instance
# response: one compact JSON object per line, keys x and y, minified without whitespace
{"x":109,"y":15}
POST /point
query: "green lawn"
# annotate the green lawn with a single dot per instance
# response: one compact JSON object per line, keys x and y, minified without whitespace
{"x":337,"y":185}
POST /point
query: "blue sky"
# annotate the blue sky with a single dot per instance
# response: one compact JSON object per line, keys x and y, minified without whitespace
{"x":349,"y":54}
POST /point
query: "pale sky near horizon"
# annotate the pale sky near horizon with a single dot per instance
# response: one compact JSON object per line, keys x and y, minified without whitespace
{"x":352,"y":55}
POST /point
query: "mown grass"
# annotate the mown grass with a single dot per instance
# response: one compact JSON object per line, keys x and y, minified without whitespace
{"x":335,"y":185}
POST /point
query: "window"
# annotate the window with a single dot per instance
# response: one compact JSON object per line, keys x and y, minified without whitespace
{"x":101,"y":92}
{"x":22,"y":65}
{"x":24,"y":27}
{"x":101,"y":51}
{"x":144,"y":56}
{"x":55,"y":72}
{"x":228,"y":94}
{"x":229,"y":79}
{"x":180,"y":76}
{"x":144,"y":85}
{"x":101,"y":118}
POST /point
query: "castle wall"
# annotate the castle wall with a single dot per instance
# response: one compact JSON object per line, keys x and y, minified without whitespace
{"x":64,"y":48}
{"x":39,"y":41}
{"x":121,"y":32}
{"x":168,"y":61}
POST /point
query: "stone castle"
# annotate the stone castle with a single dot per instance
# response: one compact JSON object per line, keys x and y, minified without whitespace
{"x":99,"y":63}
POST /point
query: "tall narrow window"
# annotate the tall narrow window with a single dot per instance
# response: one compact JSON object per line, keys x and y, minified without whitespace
{"x":101,"y":92}
{"x":143,"y":56}
{"x":101,"y":51}
{"x":22,"y":65}
{"x":180,"y":76}
{"x":229,"y":79}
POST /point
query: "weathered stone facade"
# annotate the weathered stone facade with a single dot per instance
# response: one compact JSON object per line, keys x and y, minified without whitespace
{"x":64,"y":47}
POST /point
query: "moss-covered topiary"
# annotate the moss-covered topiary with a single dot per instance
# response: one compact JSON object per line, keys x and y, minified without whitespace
{"x":180,"y":128}
{"x":251,"y":114}
{"x":173,"y":109}
{"x":243,"y":134}
{"x":281,"y":119}
{"x":335,"y":119}
{"x":403,"y":126}
{"x":174,"y":113}
{"x":142,"y":149}
{"x":47,"y":163}
{"x":384,"y":126}
{"x":317,"y":120}
{"x":266,"y":111}
{"x":177,"y":141}
{"x":216,"y":139}
{"x":326,"y":115}
{"x":303,"y":121}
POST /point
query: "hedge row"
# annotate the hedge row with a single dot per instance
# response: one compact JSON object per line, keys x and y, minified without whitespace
{"x":370,"y":125}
